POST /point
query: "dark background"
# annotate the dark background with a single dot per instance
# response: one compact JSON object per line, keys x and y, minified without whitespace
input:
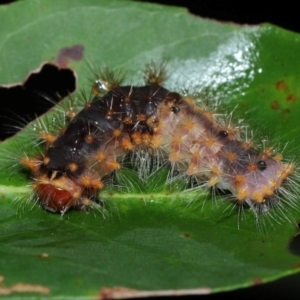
{"x":283,"y":15}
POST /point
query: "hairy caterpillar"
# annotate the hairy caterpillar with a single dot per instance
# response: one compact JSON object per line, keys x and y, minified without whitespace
{"x":119,"y":120}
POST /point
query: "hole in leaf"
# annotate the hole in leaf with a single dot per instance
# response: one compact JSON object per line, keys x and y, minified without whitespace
{"x":295,"y":245}
{"x":20,"y":104}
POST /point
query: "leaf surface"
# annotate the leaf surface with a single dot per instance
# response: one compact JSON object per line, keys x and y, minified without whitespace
{"x":153,"y":237}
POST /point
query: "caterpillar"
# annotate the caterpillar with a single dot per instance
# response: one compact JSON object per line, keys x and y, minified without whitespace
{"x":122,"y":120}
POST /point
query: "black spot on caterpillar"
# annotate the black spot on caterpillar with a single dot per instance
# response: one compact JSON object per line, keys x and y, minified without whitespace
{"x":119,"y":120}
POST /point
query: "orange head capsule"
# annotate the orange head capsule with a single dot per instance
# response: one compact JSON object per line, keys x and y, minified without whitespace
{"x":57,"y":192}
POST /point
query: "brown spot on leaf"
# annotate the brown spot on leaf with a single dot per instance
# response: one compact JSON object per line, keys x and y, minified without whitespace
{"x":275,"y":105}
{"x":22,"y":288}
{"x":122,"y":292}
{"x":281,"y":86}
{"x":297,"y":265}
{"x":284,"y":112}
{"x":74,"y":53}
{"x":186,"y":234}
{"x":257,"y":281}
{"x":291,"y":98}
{"x":2,"y":196}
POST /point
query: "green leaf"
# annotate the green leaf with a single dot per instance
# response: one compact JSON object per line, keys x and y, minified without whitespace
{"x":152,"y":237}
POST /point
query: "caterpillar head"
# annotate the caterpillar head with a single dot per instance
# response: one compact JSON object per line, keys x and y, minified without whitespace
{"x":56,"y":191}
{"x":59,"y":189}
